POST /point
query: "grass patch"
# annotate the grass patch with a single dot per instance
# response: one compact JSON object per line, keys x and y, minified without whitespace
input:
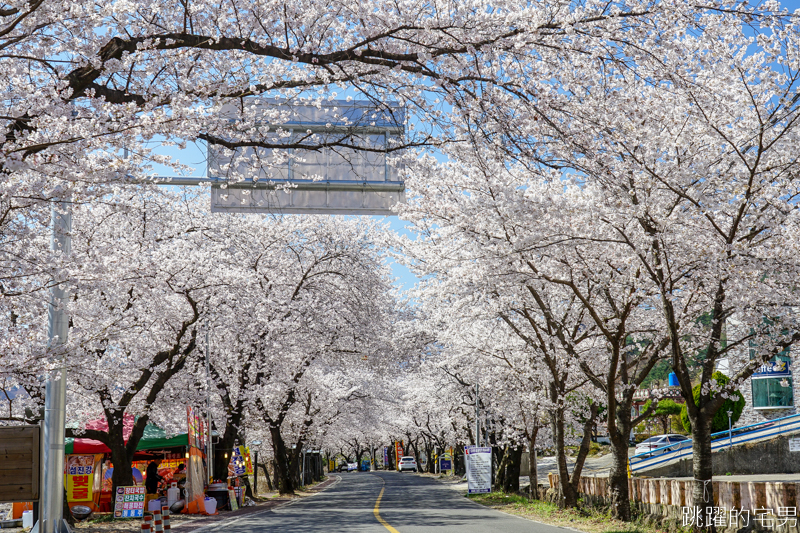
{"x":589,"y":520}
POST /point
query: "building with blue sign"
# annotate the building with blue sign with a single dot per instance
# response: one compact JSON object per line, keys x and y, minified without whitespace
{"x":770,"y":392}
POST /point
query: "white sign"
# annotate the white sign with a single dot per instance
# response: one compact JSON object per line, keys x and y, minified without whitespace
{"x":794,"y":445}
{"x":479,"y":469}
{"x":345,"y":170}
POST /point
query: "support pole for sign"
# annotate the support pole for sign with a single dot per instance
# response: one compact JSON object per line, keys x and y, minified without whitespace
{"x":55,"y":396}
{"x":477,"y":417}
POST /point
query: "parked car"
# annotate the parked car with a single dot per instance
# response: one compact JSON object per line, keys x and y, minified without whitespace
{"x":343,"y":467}
{"x":675,"y":443}
{"x":407,"y":463}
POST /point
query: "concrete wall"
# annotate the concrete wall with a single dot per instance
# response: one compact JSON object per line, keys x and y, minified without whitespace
{"x":765,"y":457}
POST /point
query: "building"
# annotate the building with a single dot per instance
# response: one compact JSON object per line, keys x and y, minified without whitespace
{"x":771,"y":392}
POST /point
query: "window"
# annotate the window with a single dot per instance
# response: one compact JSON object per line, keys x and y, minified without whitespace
{"x":772,"y":385}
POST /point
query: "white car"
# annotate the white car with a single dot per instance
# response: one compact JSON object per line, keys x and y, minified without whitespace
{"x":407,"y":463}
{"x":675,"y":443}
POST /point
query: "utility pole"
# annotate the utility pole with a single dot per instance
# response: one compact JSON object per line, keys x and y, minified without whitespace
{"x":477,"y":416}
{"x":51,"y":519}
{"x":210,"y":444}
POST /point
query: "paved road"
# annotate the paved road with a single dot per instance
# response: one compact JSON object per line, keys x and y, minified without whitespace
{"x":409,"y":504}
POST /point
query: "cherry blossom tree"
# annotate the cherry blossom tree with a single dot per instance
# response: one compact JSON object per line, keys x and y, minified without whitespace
{"x":686,"y":161}
{"x":138,"y":274}
{"x":310,"y":303}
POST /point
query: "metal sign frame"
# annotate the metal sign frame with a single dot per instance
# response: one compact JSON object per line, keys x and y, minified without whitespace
{"x":348,"y":175}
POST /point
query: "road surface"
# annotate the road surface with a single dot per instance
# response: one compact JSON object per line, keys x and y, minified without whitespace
{"x":408,"y":504}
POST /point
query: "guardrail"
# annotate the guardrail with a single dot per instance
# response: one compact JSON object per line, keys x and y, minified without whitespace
{"x":719,"y":440}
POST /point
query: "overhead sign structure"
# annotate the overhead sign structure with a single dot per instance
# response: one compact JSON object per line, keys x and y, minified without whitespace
{"x":344,"y":170}
{"x":479,"y":469}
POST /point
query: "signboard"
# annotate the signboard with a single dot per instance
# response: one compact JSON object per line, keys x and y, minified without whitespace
{"x":445,"y":464}
{"x":233,"y":499}
{"x":129,"y":502}
{"x":79,"y":477}
{"x":240,"y":461}
{"x":479,"y":469}
{"x":774,"y":369}
{"x":794,"y":445}
{"x":19,"y":463}
{"x":385,"y":456}
{"x":398,"y":453}
{"x":350,"y":175}
{"x":248,"y":464}
{"x":196,"y":433}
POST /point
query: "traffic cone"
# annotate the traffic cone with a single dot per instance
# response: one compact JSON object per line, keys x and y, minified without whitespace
{"x":165,"y":517}
{"x":146,"y":522}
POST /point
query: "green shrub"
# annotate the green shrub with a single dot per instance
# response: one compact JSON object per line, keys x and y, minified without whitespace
{"x":720,"y":420}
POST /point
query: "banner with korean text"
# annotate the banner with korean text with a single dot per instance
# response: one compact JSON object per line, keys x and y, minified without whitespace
{"x":479,"y":469}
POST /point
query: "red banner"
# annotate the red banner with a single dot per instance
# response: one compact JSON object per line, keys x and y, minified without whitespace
{"x":398,"y":451}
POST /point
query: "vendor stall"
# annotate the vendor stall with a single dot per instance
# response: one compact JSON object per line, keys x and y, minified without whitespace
{"x":179,"y":459}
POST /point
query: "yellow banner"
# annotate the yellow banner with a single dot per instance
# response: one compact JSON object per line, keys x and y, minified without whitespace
{"x":79,"y":477}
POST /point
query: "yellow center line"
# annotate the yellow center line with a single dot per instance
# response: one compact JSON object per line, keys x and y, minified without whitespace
{"x":376,"y":511}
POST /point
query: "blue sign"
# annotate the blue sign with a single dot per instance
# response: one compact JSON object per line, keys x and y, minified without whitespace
{"x":445,"y":464}
{"x":239,"y":467}
{"x":774,"y":369}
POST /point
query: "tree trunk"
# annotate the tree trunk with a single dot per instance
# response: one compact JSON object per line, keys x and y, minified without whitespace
{"x":618,"y":476}
{"x":500,"y":475}
{"x":533,"y":471}
{"x":513,"y":463}
{"x":223,"y":452}
{"x":266,"y":476}
{"x":284,"y":478}
{"x":567,"y":495}
{"x":702,"y":468}
{"x":122,"y":476}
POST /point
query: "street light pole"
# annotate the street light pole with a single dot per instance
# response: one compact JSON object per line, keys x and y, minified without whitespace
{"x":51,"y":519}
{"x":256,"y":444}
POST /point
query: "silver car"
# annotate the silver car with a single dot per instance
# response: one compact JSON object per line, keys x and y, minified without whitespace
{"x":674,"y":441}
{"x":407,"y":463}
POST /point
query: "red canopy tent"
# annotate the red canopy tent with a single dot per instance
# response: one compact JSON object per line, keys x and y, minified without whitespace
{"x":80,"y":445}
